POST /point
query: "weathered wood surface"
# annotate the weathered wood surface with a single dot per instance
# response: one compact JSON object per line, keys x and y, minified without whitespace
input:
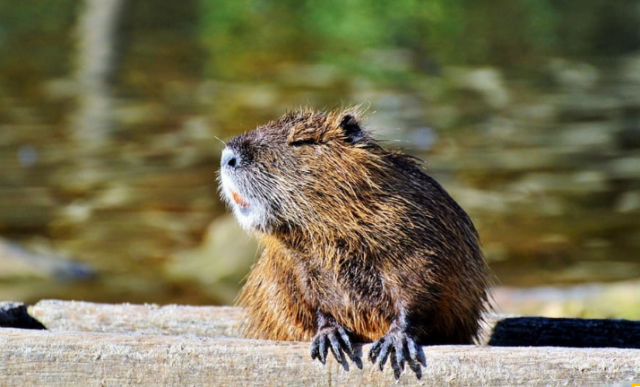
{"x":142,"y":319}
{"x":88,"y":344}
{"x":38,"y":358}
{"x":224,"y":322}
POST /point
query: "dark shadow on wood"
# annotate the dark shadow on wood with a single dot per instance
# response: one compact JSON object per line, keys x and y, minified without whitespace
{"x":565,"y":332}
{"x":15,"y":315}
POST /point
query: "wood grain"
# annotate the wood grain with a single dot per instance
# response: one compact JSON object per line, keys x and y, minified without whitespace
{"x":44,"y":358}
{"x":149,"y":319}
{"x":225,"y":322}
{"x":87,"y":344}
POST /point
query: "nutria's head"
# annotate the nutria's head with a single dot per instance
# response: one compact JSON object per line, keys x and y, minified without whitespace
{"x":304,"y":170}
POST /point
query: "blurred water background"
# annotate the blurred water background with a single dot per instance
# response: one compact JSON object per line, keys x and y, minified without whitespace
{"x":527,"y":111}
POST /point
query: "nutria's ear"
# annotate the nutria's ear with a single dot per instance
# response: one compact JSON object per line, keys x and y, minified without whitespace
{"x":351,"y":128}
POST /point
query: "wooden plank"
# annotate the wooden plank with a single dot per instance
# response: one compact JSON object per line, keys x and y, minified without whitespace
{"x":44,"y":358}
{"x":149,"y":319}
{"x":224,"y":322}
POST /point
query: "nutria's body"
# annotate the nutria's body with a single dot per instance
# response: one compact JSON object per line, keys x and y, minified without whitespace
{"x":360,"y":244}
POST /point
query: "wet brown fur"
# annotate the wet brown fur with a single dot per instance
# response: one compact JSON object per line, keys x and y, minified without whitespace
{"x":357,"y":232}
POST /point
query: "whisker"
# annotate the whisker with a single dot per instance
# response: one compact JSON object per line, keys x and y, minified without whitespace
{"x":218,"y":138}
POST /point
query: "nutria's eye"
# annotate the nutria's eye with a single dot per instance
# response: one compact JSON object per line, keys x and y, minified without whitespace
{"x":305,"y":141}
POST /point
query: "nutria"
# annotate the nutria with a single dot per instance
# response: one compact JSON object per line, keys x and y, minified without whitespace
{"x":360,"y":244}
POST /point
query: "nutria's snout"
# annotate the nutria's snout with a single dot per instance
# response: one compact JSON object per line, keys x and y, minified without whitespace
{"x":237,"y":190}
{"x":230,"y":162}
{"x":230,"y":159}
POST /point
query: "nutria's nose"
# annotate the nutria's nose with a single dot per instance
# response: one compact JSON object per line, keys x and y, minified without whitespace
{"x":229,"y":158}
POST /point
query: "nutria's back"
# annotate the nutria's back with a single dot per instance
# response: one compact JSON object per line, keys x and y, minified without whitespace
{"x":357,"y":238}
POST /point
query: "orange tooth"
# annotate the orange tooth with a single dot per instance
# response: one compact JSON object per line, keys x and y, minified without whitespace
{"x":238,"y":199}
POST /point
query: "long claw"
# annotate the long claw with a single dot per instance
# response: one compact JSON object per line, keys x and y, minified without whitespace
{"x":375,"y":350}
{"x":314,"y":349}
{"x":384,"y":354}
{"x":413,"y":349}
{"x":400,"y":355}
{"x":323,"y":350}
{"x":335,"y":347}
{"x":394,"y":362}
{"x":416,"y":357}
{"x":416,"y":353}
{"x":414,"y":365}
{"x":345,"y":339}
{"x":422,"y":359}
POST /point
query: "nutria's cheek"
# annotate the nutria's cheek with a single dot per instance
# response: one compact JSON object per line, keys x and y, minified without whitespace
{"x":249,"y":212}
{"x":228,"y":187}
{"x":249,"y":217}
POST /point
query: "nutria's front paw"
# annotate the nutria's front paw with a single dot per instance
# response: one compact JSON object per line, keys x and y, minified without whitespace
{"x":402,"y":348}
{"x":336,"y":338}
